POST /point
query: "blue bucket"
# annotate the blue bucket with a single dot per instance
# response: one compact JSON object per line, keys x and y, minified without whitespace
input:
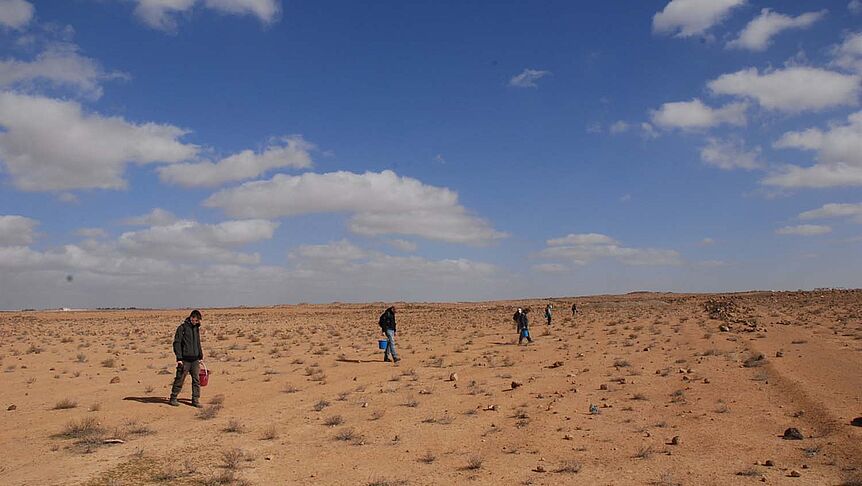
{"x":382,"y":344}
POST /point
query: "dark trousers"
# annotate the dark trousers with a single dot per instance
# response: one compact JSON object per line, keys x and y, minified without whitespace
{"x":188,"y":367}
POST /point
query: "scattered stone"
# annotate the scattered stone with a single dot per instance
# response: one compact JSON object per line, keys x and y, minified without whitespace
{"x":805,"y":466}
{"x":769,"y":463}
{"x":424,"y":392}
{"x":568,"y":437}
{"x":594,"y":410}
{"x":556,"y":364}
{"x":113,"y":441}
{"x":491,"y":408}
{"x":706,"y":381}
{"x":779,"y":354}
{"x":539,"y":469}
{"x":364,"y":404}
{"x":857,"y":422}
{"x":268,"y":458}
{"x":793,"y":434}
{"x":603,"y":387}
{"x":115,"y":379}
{"x":674,"y":440}
{"x":516,"y":384}
{"x":795,"y":474}
{"x":12,"y":407}
{"x":453,"y":376}
{"x":724,"y":328}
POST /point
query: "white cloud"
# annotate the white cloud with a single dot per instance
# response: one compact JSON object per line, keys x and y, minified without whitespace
{"x":335,"y":253}
{"x":528,"y":78}
{"x":757,"y":35}
{"x":694,"y":115}
{"x":584,"y":248}
{"x":791,"y":90}
{"x":381,"y":203}
{"x":707,"y":242}
{"x":52,"y":145}
{"x":159,"y":14}
{"x":618,"y":127}
{"x":267,"y":11}
{"x":16,"y":14}
{"x":60,"y":65}
{"x":291,"y":152}
{"x":804,"y":230}
{"x":686,"y":18}
{"x":839,"y":156}
{"x":17,"y":230}
{"x":156,"y":217}
{"x":855,"y":7}
{"x":193,"y":240}
{"x":91,"y":232}
{"x":835,"y":210}
{"x":848,"y":55}
{"x":403,"y":245}
{"x":648,"y":131}
{"x":730,"y":154}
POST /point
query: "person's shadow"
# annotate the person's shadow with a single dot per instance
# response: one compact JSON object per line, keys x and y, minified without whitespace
{"x":157,"y":400}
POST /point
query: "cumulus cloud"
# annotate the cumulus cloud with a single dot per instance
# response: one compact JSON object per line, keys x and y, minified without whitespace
{"x":161,"y":14}
{"x":156,"y":217}
{"x":835,"y":210}
{"x":17,"y":230}
{"x":848,"y":54}
{"x":581,"y":249}
{"x":194,"y":240}
{"x":550,"y":268}
{"x":381,"y":203}
{"x":758,"y":34}
{"x":53,"y":145}
{"x":839,"y":156}
{"x":804,"y":230}
{"x":686,"y":18}
{"x":91,"y":233}
{"x":528,"y":78}
{"x":60,"y":65}
{"x":290,"y":152}
{"x":267,"y":11}
{"x":730,"y":154}
{"x":855,"y":7}
{"x":791,"y":90}
{"x":403,"y":245}
{"x":16,"y":14}
{"x":336,"y":253}
{"x":694,"y":115}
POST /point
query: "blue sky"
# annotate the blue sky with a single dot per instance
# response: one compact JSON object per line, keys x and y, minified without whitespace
{"x":166,"y":153}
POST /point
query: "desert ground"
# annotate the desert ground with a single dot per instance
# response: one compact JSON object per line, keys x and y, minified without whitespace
{"x":684,"y":389}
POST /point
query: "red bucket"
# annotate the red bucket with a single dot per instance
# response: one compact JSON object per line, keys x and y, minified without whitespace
{"x":204,"y":375}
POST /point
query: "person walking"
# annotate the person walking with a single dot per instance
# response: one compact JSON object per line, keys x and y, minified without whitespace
{"x":523,"y":325}
{"x":387,"y":325}
{"x":548,"y":313}
{"x":574,"y":309}
{"x":188,"y":351}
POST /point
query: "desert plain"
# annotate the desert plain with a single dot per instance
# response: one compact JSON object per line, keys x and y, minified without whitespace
{"x":644,"y":388}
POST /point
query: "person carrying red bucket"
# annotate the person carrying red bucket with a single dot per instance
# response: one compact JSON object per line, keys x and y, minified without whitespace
{"x":189,"y":354}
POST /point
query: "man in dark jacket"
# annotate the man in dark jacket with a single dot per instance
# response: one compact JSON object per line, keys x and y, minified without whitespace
{"x":188,"y":351}
{"x":523,"y":324}
{"x":387,"y":325}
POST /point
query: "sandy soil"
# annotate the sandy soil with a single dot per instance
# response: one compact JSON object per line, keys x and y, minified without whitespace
{"x":306,"y":399}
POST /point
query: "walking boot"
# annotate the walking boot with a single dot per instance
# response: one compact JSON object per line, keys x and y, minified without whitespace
{"x":196,"y":403}
{"x":173,"y":402}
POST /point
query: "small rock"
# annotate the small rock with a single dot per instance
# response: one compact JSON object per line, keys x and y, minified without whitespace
{"x":857,"y":422}
{"x":568,"y":437}
{"x":724,"y":328}
{"x":424,"y":392}
{"x":795,"y":474}
{"x":779,"y":354}
{"x":539,"y":469}
{"x":706,"y":381}
{"x":113,"y":441}
{"x":115,"y":379}
{"x":556,"y":364}
{"x":594,"y":410}
{"x":603,"y":387}
{"x":268,"y":458}
{"x":805,"y":466}
{"x":769,"y":463}
{"x":491,"y":408}
{"x":364,"y":404}
{"x":12,"y":407}
{"x":453,"y":376}
{"x":793,"y":434}
{"x":675,"y":440}
{"x":516,"y":384}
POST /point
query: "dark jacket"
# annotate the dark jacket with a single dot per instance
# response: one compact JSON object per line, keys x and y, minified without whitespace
{"x":187,"y":342}
{"x":387,"y":320}
{"x":521,"y":319}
